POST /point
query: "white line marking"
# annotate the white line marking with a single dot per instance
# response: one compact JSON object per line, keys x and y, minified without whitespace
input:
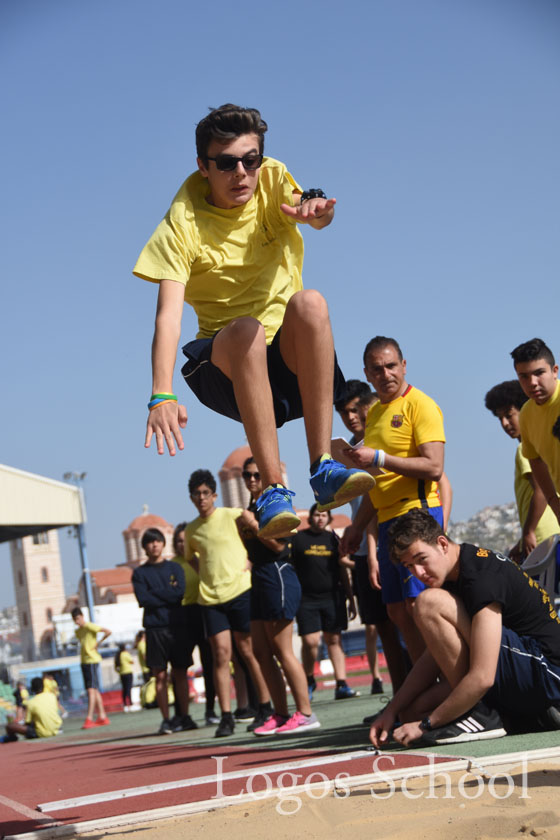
{"x":125,"y":793}
{"x":55,"y":832}
{"x":24,"y":810}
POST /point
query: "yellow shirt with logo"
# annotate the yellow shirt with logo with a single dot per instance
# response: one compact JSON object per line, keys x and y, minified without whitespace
{"x":536,"y":422}
{"x":87,"y":634}
{"x":246,"y":261}
{"x":547,"y":524}
{"x":399,"y":428}
{"x":222,"y":557}
{"x":42,"y":712}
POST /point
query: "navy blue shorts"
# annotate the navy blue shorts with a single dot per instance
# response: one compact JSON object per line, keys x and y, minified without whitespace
{"x":233,"y":615}
{"x":167,"y":644}
{"x":215,"y":390}
{"x":90,"y":673}
{"x":370,"y":601}
{"x":526,"y":683}
{"x":275,"y":592}
{"x":397,"y":583}
{"x":327,"y":614}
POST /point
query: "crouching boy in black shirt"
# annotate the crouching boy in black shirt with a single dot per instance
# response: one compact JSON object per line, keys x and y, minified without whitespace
{"x":492,"y":638}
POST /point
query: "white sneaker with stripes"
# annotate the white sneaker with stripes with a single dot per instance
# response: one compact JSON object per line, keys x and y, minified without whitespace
{"x":479,"y":724}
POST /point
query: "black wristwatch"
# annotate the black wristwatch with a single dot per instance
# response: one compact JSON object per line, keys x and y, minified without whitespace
{"x":312,"y":193}
{"x":426,"y":725}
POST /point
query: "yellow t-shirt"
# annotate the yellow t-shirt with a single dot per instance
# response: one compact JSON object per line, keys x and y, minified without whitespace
{"x":399,"y":428}
{"x":548,"y":524}
{"x":87,"y":634}
{"x":141,"y":649}
{"x":192,"y":581}
{"x":42,"y":712}
{"x":222,"y":557}
{"x":126,"y":663}
{"x":536,"y":422}
{"x":246,"y":261}
{"x":50,"y":684}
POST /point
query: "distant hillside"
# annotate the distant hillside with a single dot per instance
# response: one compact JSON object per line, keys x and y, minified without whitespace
{"x":495,"y":527}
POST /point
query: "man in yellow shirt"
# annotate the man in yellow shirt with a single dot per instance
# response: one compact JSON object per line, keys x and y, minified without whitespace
{"x":42,"y":719}
{"x":264,"y":353}
{"x":404,"y":443}
{"x":537,"y":520}
{"x":215,"y":549}
{"x":90,"y":657}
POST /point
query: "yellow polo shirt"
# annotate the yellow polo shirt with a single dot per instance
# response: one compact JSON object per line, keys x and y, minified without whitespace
{"x":222,"y":557}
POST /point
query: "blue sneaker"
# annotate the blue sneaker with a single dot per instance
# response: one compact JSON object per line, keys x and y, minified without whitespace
{"x":277,"y":516}
{"x":343,"y":692}
{"x":334,"y":484}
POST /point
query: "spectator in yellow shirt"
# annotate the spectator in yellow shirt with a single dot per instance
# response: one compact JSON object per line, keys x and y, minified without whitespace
{"x":41,"y":720}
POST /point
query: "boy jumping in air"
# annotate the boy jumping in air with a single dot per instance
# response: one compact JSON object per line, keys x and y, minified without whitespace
{"x":264,"y":353}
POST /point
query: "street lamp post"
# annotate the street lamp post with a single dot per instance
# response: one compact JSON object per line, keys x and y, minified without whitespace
{"x":77,"y":479}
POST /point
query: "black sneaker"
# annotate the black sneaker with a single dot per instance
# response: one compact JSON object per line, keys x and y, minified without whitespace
{"x":263,"y":714}
{"x":187,"y":723}
{"x":244,"y":715}
{"x":376,"y":686}
{"x":176,"y":723}
{"x":166,"y":728}
{"x":551,"y":718}
{"x":226,"y":726}
{"x":480,"y":724}
{"x":211,"y":718}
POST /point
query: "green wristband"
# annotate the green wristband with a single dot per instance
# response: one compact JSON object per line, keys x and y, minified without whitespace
{"x":163,"y":397}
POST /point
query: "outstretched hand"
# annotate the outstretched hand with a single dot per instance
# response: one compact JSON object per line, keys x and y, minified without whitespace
{"x":317,"y":212}
{"x":166,"y":422}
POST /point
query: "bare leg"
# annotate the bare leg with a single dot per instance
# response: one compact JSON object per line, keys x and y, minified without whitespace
{"x":371,"y":650}
{"x":309,"y":651}
{"x":393,"y":653}
{"x":336,"y":655}
{"x":307,"y":347}
{"x":280,"y":637}
{"x":92,"y":704}
{"x":399,"y":614}
{"x":99,"y":703}
{"x":221,"y":654}
{"x":239,"y":351}
{"x":161,"y":693}
{"x":272,"y":674}
{"x":446,"y":627}
{"x":181,"y":690}
{"x":245,"y":648}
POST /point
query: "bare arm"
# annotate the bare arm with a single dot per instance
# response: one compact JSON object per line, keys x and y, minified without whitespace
{"x":537,"y":507}
{"x":317,"y":212}
{"x":484,"y":649}
{"x":167,"y":420}
{"x":427,"y":465}
{"x":446,"y":496}
{"x":352,"y":536}
{"x":546,"y":484}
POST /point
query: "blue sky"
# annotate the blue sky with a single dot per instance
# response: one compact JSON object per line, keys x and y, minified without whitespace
{"x":435,"y":124}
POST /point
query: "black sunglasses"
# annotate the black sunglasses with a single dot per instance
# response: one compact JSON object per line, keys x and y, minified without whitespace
{"x":227,"y":163}
{"x":247,"y":475}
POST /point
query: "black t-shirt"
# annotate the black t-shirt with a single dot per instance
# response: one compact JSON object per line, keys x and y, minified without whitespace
{"x":486,"y":577}
{"x":259,"y":554}
{"x":315,"y":557}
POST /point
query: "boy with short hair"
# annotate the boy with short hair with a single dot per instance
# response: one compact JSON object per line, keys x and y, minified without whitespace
{"x":90,"y":658}
{"x":159,"y":586}
{"x":214,"y":547}
{"x":537,"y":372}
{"x":42,"y":719}
{"x":537,"y":520}
{"x":264,"y":353}
{"x":492,"y":642}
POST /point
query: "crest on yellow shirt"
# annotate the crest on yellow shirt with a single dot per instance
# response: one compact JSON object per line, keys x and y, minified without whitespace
{"x":397,"y":421}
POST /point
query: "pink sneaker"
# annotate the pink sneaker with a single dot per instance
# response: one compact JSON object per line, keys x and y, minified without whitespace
{"x":298,"y":723}
{"x":271,"y":725}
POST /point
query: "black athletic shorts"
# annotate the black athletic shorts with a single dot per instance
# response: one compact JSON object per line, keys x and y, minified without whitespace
{"x":215,"y":390}
{"x":167,"y":644}
{"x":370,"y":601}
{"x":327,"y":613}
{"x":233,"y":615}
{"x":90,"y":673}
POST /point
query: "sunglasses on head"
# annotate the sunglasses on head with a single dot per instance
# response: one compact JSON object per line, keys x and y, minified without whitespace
{"x":227,"y":163}
{"x":247,"y":475}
